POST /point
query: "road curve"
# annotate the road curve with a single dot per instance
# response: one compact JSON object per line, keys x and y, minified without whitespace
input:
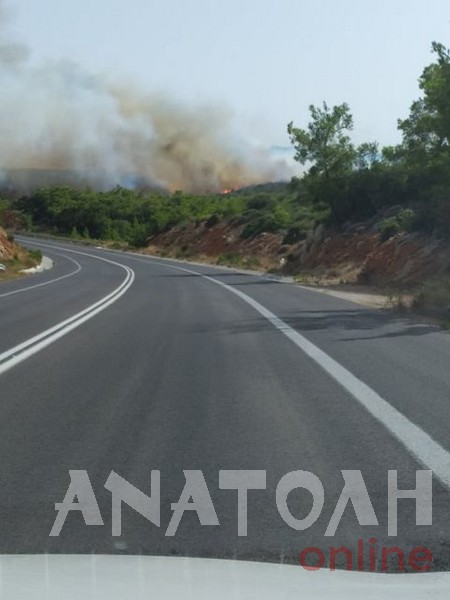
{"x":195,"y":367}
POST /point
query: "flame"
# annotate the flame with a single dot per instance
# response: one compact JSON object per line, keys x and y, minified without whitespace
{"x":228,"y":191}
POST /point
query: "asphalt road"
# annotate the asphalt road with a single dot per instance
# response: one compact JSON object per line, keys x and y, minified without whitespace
{"x":170,"y":371}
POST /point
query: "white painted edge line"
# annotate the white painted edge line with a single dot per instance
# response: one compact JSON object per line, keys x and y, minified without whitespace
{"x":282,"y":279}
{"x":37,"y":285}
{"x":418,"y":443}
{"x":12,"y":357}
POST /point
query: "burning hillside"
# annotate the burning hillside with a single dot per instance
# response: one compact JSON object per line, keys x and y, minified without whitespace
{"x":56,"y":117}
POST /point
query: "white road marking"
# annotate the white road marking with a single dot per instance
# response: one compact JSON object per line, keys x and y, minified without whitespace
{"x":37,"y":285}
{"x":416,"y":441}
{"x":12,"y":357}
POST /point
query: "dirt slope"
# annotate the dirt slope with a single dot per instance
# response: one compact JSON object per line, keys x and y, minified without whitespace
{"x":8,"y":249}
{"x":356,"y":256}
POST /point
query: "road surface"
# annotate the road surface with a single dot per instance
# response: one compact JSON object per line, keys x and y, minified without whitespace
{"x":124,"y":363}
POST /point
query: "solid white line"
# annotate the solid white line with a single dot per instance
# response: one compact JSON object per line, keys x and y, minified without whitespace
{"x":418,"y":443}
{"x":12,"y":357}
{"x":32,"y":287}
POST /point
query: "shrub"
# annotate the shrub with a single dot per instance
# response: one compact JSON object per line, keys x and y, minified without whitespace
{"x":35,"y":255}
{"x":406,"y":218}
{"x":214,"y":219}
{"x":388,"y":227}
{"x":229,"y":258}
{"x":403,"y":221}
{"x":261,"y":223}
{"x":233,"y":259}
{"x":434,"y":297}
{"x":294,"y":235}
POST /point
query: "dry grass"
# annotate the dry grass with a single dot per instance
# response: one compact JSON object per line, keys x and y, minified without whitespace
{"x":22,"y":260}
{"x":433,"y":298}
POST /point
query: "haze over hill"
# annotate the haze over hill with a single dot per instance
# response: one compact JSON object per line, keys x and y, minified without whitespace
{"x":102,"y":132}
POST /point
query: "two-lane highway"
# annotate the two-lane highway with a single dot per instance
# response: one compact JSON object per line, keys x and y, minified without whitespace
{"x":194,"y":367}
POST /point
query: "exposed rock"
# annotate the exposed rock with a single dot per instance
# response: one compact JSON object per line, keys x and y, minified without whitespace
{"x":355,"y":255}
{"x":403,"y":259}
{"x":8,"y":249}
{"x":217,"y":240}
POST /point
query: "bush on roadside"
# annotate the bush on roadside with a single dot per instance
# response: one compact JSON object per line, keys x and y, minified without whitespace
{"x":229,"y":259}
{"x":434,"y":297}
{"x":233,"y":259}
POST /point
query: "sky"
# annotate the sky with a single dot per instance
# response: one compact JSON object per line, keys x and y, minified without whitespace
{"x":265,"y":60}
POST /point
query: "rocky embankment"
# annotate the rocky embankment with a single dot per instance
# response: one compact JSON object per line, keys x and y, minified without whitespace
{"x":356,"y":255}
{"x":13,"y":258}
{"x":8,"y":249}
{"x":413,"y":268}
{"x":404,"y":260}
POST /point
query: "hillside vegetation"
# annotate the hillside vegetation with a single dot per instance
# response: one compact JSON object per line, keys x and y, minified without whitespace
{"x":388,"y":192}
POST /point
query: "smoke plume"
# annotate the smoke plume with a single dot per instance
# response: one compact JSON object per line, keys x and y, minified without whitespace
{"x":56,"y":119}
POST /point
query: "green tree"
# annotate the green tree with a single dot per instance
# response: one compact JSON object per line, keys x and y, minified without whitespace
{"x":343,"y":177}
{"x":366,"y":155}
{"x":325,"y":143}
{"x":427,"y":129}
{"x":425,"y":149}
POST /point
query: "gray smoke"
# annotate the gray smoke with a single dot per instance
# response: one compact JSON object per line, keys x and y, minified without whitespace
{"x":56,"y":117}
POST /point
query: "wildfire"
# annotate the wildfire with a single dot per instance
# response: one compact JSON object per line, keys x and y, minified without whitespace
{"x":228,"y":191}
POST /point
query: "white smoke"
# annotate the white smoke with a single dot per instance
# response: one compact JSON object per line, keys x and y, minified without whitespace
{"x":56,"y":117}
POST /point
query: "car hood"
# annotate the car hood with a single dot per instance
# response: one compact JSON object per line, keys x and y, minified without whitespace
{"x":79,"y":577}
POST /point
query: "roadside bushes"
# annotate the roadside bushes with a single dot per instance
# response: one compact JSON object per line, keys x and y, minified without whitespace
{"x":434,"y":297}
{"x":233,"y":259}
